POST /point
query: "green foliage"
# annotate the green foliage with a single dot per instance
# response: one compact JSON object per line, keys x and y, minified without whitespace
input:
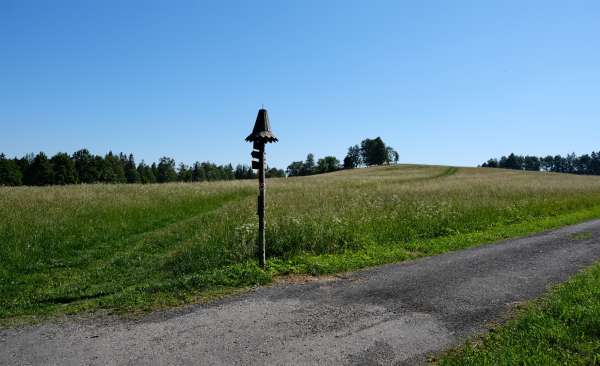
{"x":64,"y":169}
{"x":85,"y":165}
{"x":563,"y":328}
{"x":586,"y":164}
{"x":114,"y":167}
{"x":373,"y":151}
{"x":391,"y":155}
{"x":328,"y":164}
{"x":308,"y":167}
{"x":244,"y":172}
{"x":184,"y":173}
{"x":275,"y":173}
{"x":353,"y":158}
{"x":146,"y":173}
{"x":141,"y":247}
{"x":295,"y":169}
{"x":10,"y":174}
{"x":166,"y":170}
{"x":132,"y":175}
{"x":39,"y":172}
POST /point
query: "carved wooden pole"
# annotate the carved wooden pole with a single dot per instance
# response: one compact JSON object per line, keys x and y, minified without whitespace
{"x":262,"y":256}
{"x":260,"y":136}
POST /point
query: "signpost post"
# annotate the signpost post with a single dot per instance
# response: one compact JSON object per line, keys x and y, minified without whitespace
{"x":260,"y":136}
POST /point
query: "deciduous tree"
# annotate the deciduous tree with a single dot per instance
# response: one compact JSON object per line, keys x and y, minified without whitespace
{"x":353,"y":158}
{"x":373,"y":151}
{"x":328,"y":164}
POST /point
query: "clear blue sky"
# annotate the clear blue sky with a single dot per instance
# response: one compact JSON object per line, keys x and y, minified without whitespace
{"x":448,"y":82}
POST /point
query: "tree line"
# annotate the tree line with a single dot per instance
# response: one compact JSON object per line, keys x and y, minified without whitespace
{"x":85,"y":167}
{"x":586,"y":164}
{"x":370,"y":152}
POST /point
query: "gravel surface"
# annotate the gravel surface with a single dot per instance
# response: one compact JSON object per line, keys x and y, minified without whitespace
{"x":394,"y":314}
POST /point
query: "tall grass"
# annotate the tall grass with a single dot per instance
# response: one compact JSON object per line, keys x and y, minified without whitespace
{"x":124,"y":247}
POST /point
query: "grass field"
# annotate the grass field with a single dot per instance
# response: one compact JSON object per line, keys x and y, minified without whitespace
{"x":141,"y":247}
{"x":562,"y":328}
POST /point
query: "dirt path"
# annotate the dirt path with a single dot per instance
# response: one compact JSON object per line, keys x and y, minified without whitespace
{"x":394,"y":314}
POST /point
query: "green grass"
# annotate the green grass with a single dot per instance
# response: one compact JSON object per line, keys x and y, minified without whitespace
{"x":562,"y":328}
{"x":132,"y":248}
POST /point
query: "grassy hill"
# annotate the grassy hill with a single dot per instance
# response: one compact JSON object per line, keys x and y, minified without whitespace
{"x":141,"y":247}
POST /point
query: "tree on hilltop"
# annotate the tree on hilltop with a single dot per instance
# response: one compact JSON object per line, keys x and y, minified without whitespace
{"x":274,"y":173}
{"x":295,"y":168}
{"x":373,"y":151}
{"x":309,"y":166}
{"x":328,"y":164}
{"x":391,"y":155}
{"x":491,"y":163}
{"x":353,"y":158}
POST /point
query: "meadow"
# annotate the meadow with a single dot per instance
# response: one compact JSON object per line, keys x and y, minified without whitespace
{"x":134,"y":248}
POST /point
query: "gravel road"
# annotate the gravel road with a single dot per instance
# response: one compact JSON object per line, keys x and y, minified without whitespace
{"x":393,"y":314}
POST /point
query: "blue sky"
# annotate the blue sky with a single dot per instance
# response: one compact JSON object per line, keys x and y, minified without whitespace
{"x":444,"y":82}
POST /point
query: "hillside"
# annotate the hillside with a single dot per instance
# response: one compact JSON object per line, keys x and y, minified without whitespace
{"x":140,"y":247}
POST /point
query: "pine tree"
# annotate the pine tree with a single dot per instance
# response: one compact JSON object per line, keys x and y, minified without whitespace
{"x":245,"y":172}
{"x":86,"y":167}
{"x":64,"y":169}
{"x":114,"y":164}
{"x":595,"y":163}
{"x":309,"y":165}
{"x":10,"y":174}
{"x":146,"y":174}
{"x":131,"y":173}
{"x":228,"y":172}
{"x":198,"y":173}
{"x":105,"y":170}
{"x":40,"y":171}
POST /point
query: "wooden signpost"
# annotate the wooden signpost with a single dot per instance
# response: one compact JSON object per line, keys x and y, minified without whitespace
{"x":260,"y":136}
